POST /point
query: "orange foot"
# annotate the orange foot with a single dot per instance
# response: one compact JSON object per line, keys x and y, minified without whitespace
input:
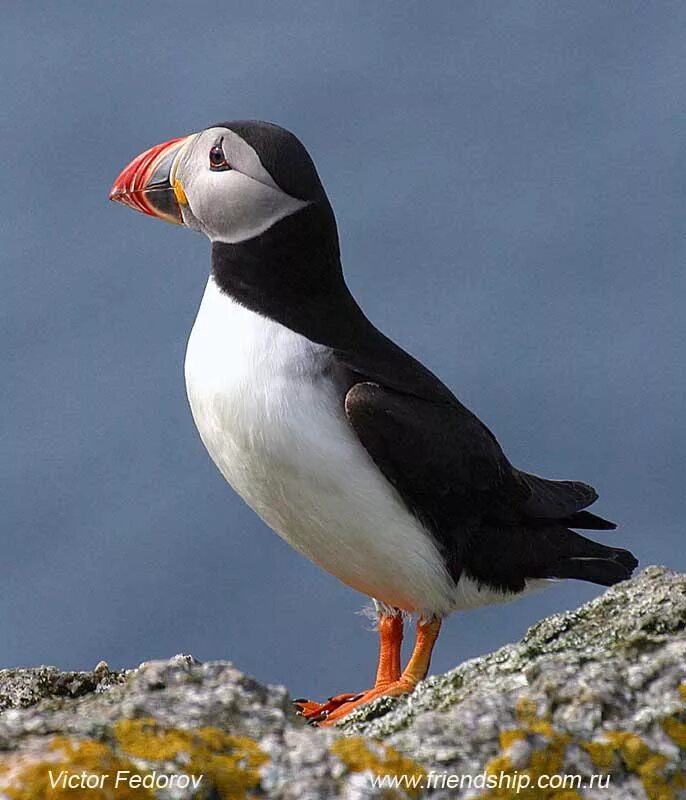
{"x":396,"y":689}
{"x":317,"y":712}
{"x":390,"y":640}
{"x":390,"y":682}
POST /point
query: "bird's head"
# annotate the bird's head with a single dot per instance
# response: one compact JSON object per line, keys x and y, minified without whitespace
{"x":232,"y":181}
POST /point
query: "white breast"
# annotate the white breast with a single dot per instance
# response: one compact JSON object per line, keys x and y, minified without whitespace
{"x":274,"y":424}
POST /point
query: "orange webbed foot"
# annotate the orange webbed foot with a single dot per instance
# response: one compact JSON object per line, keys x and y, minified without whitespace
{"x":388,"y":671}
{"x":390,"y":682}
{"x":315,"y":713}
{"x":396,"y":689}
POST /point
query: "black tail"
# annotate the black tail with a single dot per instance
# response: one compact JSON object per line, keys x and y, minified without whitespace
{"x":587,"y":521}
{"x":563,"y":502}
{"x":572,"y":555}
{"x":613,"y":566}
{"x":507,"y":556}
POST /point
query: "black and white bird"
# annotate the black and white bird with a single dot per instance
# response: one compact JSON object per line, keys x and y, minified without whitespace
{"x":349,"y":448}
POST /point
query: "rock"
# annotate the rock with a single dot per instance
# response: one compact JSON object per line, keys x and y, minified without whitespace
{"x":594,"y":695}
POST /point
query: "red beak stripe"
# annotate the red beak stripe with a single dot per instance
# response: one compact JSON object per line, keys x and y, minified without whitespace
{"x":132,"y":187}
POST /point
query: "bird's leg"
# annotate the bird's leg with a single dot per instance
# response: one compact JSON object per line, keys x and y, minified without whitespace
{"x":415,"y":671}
{"x":388,"y":671}
{"x":390,"y":641}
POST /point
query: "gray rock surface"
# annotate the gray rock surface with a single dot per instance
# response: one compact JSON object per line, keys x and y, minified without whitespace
{"x":600,"y":691}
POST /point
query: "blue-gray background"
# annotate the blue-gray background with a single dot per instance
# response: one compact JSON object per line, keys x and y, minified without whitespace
{"x":509,"y":184}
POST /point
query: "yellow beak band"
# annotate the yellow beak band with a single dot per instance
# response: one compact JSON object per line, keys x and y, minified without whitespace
{"x":179,"y":193}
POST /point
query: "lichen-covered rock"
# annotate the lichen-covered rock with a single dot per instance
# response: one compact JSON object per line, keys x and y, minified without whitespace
{"x":20,"y":688}
{"x":591,"y":704}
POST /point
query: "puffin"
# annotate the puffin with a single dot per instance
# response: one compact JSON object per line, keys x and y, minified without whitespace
{"x":344,"y":444}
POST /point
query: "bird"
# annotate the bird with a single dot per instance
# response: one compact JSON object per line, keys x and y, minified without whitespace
{"x":348,"y":447}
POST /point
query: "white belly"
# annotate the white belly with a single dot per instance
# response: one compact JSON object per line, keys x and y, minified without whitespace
{"x":274,"y":425}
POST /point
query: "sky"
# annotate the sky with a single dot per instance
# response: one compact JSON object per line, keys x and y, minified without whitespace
{"x":509,"y":184}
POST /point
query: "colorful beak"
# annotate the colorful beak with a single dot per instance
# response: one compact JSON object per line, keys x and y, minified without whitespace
{"x":148,"y":183}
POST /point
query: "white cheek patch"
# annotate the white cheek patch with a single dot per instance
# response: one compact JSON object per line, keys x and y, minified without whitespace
{"x":231,"y":207}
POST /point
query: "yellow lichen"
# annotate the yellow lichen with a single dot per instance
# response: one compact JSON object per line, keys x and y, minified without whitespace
{"x":607,"y":753}
{"x":145,"y":739}
{"x":29,"y":774}
{"x":358,"y":755}
{"x":546,"y":760}
{"x":527,"y":714}
{"x":676,"y":730}
{"x":604,"y":755}
{"x":510,"y":736}
{"x":228,"y":762}
{"x":651,"y":767}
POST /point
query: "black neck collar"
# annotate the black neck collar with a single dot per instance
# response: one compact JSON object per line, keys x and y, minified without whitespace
{"x":292,"y":274}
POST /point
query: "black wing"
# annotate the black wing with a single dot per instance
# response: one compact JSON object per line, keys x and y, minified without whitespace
{"x":444,"y":463}
{"x":498,"y":523}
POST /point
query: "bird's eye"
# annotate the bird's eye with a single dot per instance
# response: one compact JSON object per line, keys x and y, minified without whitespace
{"x":218,"y":161}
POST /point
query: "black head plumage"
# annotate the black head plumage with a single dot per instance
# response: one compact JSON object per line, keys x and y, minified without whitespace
{"x":283,"y":155}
